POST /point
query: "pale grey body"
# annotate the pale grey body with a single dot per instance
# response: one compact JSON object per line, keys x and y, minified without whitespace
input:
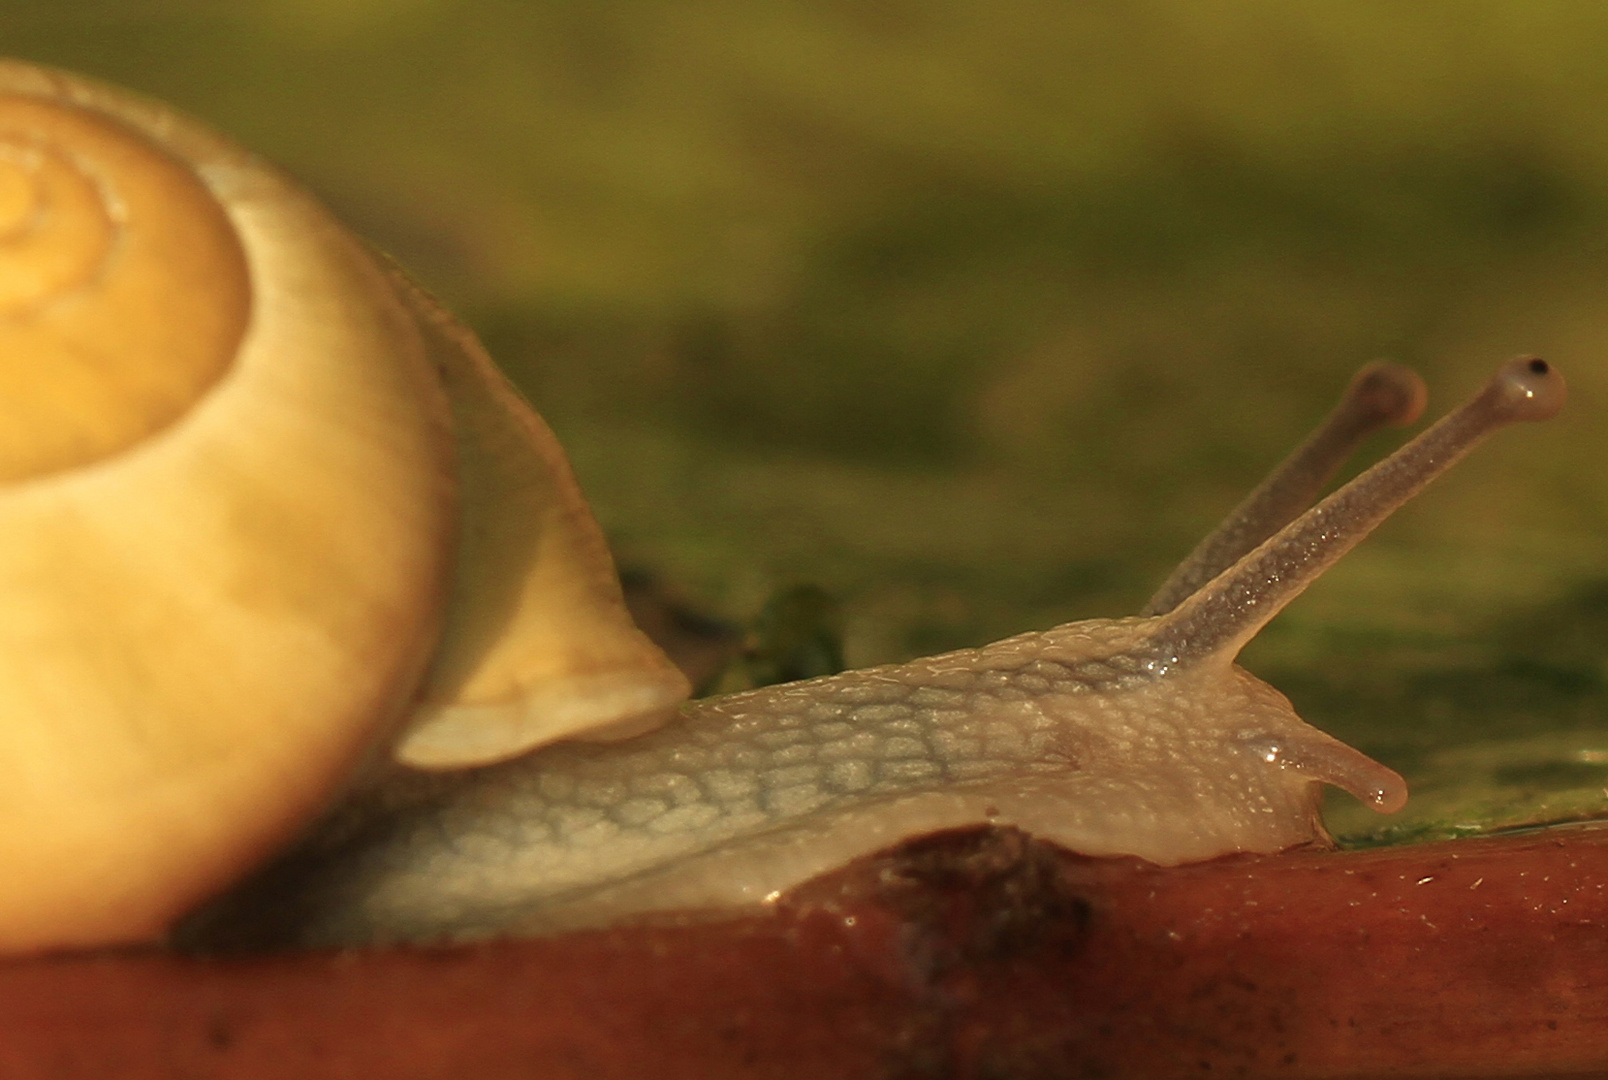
{"x":1112,"y":737}
{"x":1064,"y":733}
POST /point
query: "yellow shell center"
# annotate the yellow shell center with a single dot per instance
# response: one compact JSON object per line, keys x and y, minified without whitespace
{"x":123,"y":289}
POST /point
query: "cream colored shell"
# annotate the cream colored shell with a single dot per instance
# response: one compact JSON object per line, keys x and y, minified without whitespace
{"x":262,"y":508}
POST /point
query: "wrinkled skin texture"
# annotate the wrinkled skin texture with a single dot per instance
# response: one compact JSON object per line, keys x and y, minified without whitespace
{"x":1069,"y":734}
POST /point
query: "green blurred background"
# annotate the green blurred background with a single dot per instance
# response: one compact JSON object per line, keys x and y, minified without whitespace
{"x":978,"y":313}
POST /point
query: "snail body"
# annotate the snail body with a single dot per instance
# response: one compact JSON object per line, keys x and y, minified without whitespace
{"x":1134,"y":736}
{"x":336,"y":582}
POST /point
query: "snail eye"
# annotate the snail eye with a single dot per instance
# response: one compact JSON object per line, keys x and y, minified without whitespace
{"x":1221,"y":616}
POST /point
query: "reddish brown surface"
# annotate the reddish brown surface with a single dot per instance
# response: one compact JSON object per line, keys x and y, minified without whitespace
{"x":975,"y":955}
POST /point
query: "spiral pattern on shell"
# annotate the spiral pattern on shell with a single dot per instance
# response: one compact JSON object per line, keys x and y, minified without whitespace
{"x":123,"y":289}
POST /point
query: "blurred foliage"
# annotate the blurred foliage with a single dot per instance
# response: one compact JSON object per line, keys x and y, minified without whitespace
{"x":798,"y":634}
{"x":979,"y":312}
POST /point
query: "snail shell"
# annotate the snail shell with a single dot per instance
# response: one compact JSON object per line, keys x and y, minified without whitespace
{"x":268,"y":515}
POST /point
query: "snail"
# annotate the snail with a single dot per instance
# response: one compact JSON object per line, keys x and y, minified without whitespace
{"x":327,"y":589}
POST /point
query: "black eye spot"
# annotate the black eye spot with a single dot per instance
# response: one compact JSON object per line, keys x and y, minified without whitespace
{"x":1539,"y":366}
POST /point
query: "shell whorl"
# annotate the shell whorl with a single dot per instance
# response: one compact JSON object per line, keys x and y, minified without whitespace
{"x":124,"y":292}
